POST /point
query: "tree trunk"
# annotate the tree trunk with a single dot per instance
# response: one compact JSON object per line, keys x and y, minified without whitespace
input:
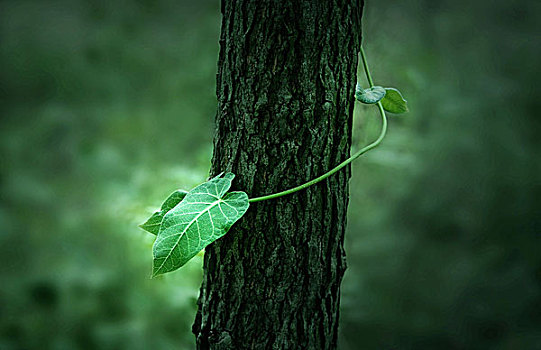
{"x":285,"y":86}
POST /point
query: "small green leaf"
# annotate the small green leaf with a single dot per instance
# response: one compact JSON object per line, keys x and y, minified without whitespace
{"x":393,"y":102}
{"x":152,"y":225}
{"x":204,"y":215}
{"x":371,"y":95}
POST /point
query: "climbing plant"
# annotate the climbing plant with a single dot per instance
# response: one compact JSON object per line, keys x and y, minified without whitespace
{"x":187,"y":222}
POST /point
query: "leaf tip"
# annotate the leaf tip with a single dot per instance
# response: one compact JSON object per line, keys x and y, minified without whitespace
{"x":156,"y":273}
{"x":229,"y":176}
{"x":218,"y":176}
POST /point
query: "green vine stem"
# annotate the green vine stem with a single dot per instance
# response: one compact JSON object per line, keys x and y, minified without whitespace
{"x":347,"y":161}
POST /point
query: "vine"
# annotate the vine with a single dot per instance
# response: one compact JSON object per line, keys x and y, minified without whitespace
{"x":189,"y":221}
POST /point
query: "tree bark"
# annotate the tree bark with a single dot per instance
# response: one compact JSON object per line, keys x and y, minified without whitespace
{"x":285,"y":86}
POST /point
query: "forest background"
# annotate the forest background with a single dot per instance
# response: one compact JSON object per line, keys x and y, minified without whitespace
{"x":108,"y":106}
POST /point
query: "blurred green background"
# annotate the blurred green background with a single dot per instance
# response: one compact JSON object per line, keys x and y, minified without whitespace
{"x":108,"y":106}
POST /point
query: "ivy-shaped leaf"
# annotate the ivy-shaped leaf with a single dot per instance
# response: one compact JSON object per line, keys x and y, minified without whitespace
{"x":371,"y":95}
{"x":153,"y":223}
{"x":204,"y":215}
{"x":393,"y":102}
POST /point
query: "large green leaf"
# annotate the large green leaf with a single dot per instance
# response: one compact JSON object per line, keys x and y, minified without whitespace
{"x":203,"y":216}
{"x":152,"y":225}
{"x":393,"y":102}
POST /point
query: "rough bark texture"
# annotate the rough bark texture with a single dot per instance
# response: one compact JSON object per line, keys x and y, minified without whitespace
{"x":285,"y":86}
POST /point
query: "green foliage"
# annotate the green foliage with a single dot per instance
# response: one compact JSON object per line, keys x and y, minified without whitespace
{"x":393,"y":102}
{"x":153,"y":223}
{"x":371,"y":95}
{"x":446,"y":258}
{"x":205,"y":214}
